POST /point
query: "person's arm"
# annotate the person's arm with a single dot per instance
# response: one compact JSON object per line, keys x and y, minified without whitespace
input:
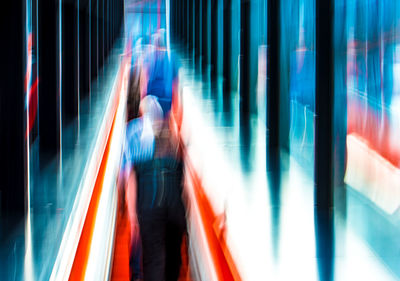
{"x":130,"y":197}
{"x":121,"y":192}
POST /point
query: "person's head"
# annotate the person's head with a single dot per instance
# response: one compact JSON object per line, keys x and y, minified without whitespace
{"x":158,"y":38}
{"x":151,"y":109}
{"x":161,"y":34}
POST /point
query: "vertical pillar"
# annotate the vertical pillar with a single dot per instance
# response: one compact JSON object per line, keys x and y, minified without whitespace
{"x":214,"y":39}
{"x":184,"y":23}
{"x":112,"y":22}
{"x":110,"y":11}
{"x":106,"y":30}
{"x":117,"y":19}
{"x":49,"y":76}
{"x":122,"y":13}
{"x":84,"y":50}
{"x":191,"y":27}
{"x":273,"y":72}
{"x":94,"y":40}
{"x":109,"y":26}
{"x":204,"y":33}
{"x":101,"y":33}
{"x":12,"y":111}
{"x":179,"y":21}
{"x":197,"y":29}
{"x":70,"y":61}
{"x":183,"y":19}
{"x":323,"y":105}
{"x":188,"y":19}
{"x":244,"y":80}
{"x":227,"y":48}
{"x":323,"y":168}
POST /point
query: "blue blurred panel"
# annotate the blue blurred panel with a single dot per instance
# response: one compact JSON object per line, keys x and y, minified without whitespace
{"x":298,"y":74}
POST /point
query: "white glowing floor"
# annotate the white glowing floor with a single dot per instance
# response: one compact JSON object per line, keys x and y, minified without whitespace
{"x":272,"y":235}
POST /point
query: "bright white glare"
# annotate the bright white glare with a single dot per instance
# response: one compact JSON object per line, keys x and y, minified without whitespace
{"x":69,"y":243}
{"x":247,"y":214}
{"x":372,"y":175}
{"x":248,"y":211}
{"x":99,"y":261}
{"x":28,"y":260}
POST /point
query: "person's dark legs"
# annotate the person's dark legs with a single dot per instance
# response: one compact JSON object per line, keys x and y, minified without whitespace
{"x":173,"y":247}
{"x":152,"y":232}
{"x":176,"y":227}
{"x":136,"y":259}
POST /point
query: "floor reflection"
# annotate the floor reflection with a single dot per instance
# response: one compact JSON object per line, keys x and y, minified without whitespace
{"x":325,"y":244}
{"x":273,"y":228}
{"x":274,"y":176}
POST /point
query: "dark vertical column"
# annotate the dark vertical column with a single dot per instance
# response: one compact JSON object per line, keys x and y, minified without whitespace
{"x":12,"y":111}
{"x":204,"y":33}
{"x":191,"y":27}
{"x":115,"y":20}
{"x":323,"y":154}
{"x":118,"y":19}
{"x":98,"y":36}
{"x":101,"y":33}
{"x":273,"y":72}
{"x":188,"y":18}
{"x":84,"y":50}
{"x":197,"y":29}
{"x":122,"y":12}
{"x":227,"y":48}
{"x":70,"y":61}
{"x":109,"y":24}
{"x":94,"y":40}
{"x":49,"y":76}
{"x":244,"y":77}
{"x":184,"y":21}
{"x":323,"y":172}
{"x":112,"y":22}
{"x":110,"y":10}
{"x":273,"y":113}
{"x":89,"y":68}
{"x":106,"y":30}
{"x":214,"y":39}
{"x":108,"y":41}
{"x":178,"y":20}
{"x":323,"y":104}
